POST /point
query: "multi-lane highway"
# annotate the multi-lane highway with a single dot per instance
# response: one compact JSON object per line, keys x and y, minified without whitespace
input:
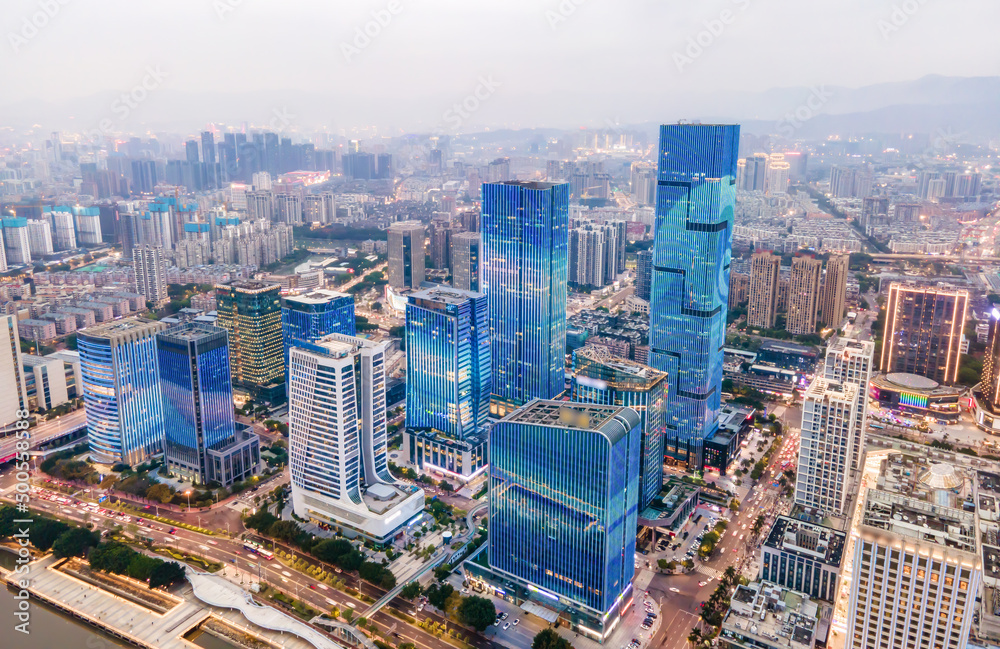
{"x":45,"y":431}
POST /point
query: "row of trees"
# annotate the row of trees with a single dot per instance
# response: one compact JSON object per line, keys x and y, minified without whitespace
{"x":120,"y":559}
{"x":474,"y":611}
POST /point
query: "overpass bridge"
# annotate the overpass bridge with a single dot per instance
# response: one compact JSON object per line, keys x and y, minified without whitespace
{"x":48,"y":435}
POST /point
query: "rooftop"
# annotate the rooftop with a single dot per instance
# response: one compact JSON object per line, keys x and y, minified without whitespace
{"x":769,"y":615}
{"x":316,"y":296}
{"x":822,"y":388}
{"x":529,"y":184}
{"x":443,"y":295}
{"x":129,"y":327}
{"x":249,"y":286}
{"x":192,"y":331}
{"x":808,"y":540}
{"x":614,"y":422}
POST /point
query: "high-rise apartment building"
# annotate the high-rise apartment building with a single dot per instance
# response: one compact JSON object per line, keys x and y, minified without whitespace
{"x":406,"y":254}
{"x":762,"y":305}
{"x":924,"y":331}
{"x":338,"y":446}
{"x":525,"y":232}
{"x":739,"y":290}
{"x":198,"y":404}
{"x":39,"y":238}
{"x":448,"y":382}
{"x":599,"y":377}
{"x":16,"y":241}
{"x":466,"y":261}
{"x":564,"y":487}
{"x":250,"y":311}
{"x":150,"y":273}
{"x":88,"y":225}
{"x":644,"y":274}
{"x":851,"y":362}
{"x":121,"y":390}
{"x":835,"y":290}
{"x":690,"y":289}
{"x":63,"y":229}
{"x":828,"y":429}
{"x":918,"y":556}
{"x":311,"y":316}
{"x":803,"y":295}
{"x":587,"y":256}
{"x":13,"y":394}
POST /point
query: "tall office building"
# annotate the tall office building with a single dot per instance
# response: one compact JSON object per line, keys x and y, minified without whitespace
{"x":39,"y":238}
{"x":13,"y":393}
{"x":918,"y":558}
{"x":599,"y":377}
{"x":564,"y":489}
{"x":197,"y":397}
{"x":827,"y":437}
{"x":250,"y":311}
{"x":150,"y":273}
{"x":525,"y":230}
{"x":406,"y":254}
{"x":448,"y":381}
{"x":835,"y":290}
{"x":924,"y":331}
{"x":16,"y":241}
{"x":467,"y":261}
{"x":762,"y":308}
{"x":309,"y":317}
{"x":121,"y":390}
{"x":851,"y":362}
{"x":690,"y":289}
{"x":338,"y":443}
{"x":643,"y":274}
{"x":803,"y":295}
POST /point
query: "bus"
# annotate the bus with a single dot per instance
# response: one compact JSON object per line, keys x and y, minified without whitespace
{"x":267,"y":554}
{"x":256,"y":548}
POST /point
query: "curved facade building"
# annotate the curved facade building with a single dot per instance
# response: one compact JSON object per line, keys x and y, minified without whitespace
{"x":119,"y":372}
{"x":915,"y":395}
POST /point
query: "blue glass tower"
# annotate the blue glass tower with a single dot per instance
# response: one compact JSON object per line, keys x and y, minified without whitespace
{"x":121,"y":390}
{"x":197,"y":396}
{"x":564,"y":489}
{"x":525,"y":230}
{"x":695,"y":198}
{"x":314,"y":315}
{"x":601,"y":378}
{"x":448,"y":378}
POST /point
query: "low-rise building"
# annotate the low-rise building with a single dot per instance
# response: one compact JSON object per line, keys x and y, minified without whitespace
{"x":763,"y":615}
{"x":803,"y":556}
{"x":37,"y":330}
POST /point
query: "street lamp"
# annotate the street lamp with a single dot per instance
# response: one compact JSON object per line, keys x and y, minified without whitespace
{"x":188,"y":494}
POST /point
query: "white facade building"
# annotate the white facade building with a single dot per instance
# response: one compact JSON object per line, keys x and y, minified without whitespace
{"x":826,"y":441}
{"x":150,"y":273}
{"x":63,"y":230}
{"x":850,"y":361}
{"x":13,"y":394}
{"x":15,"y":238}
{"x":39,"y":238}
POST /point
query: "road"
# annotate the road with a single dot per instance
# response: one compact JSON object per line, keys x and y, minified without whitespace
{"x":46,"y":430}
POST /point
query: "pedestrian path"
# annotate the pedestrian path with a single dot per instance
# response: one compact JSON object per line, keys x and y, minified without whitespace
{"x":707,"y":571}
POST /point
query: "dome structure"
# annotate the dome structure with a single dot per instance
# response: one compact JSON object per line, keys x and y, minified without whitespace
{"x":941,"y":476}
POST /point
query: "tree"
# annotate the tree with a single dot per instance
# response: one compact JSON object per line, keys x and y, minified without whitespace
{"x":758,"y":525}
{"x":261,"y":520}
{"x":75,"y":542}
{"x":45,"y":531}
{"x":411,"y":590}
{"x":734,"y":505}
{"x":438,"y":594}
{"x":162,"y":492}
{"x":661,"y":564}
{"x":730,"y":576}
{"x":167,"y":573}
{"x":477,"y":612}
{"x":695,"y":636}
{"x":549,"y":639}
{"x":330,"y":550}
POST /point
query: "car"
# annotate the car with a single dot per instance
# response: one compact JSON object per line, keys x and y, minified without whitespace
{"x":674,"y":590}
{"x":497,"y":623}
{"x":517,"y":621}
{"x":503,"y":616}
{"x":701,"y":584}
{"x":312,"y":586}
{"x":735,"y":549}
{"x":173,"y":530}
{"x":506,"y":626}
{"x":211,"y":542}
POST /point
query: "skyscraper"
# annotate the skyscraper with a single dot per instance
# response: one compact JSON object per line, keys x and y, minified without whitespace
{"x":643,"y":274}
{"x":63,"y":230}
{"x":338,"y":443}
{"x":250,"y":311}
{"x":835,"y":290}
{"x":924,"y":331}
{"x":690,"y":290}
{"x":525,"y":229}
{"x":828,"y":429}
{"x":16,"y":242}
{"x":564,"y":488}
{"x":466,"y":261}
{"x":803,"y":295}
{"x":850,"y":362}
{"x":39,"y":238}
{"x":599,"y":377}
{"x":121,"y":390}
{"x":448,"y":382}
{"x":739,"y":290}
{"x":587,"y":256}
{"x":150,"y":273}
{"x":406,"y":254}
{"x":13,"y":394}
{"x":762,"y":308}
{"x":197,"y":396}
{"x":314,"y":315}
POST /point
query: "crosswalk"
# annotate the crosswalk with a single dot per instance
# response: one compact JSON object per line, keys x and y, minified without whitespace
{"x":707,"y":571}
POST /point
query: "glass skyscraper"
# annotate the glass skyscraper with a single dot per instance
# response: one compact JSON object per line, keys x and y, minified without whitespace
{"x":197,"y":396}
{"x":695,"y":198}
{"x":564,"y":490}
{"x":525,"y":230}
{"x":309,"y":317}
{"x":599,"y":377}
{"x":251,"y":312}
{"x":121,"y":390}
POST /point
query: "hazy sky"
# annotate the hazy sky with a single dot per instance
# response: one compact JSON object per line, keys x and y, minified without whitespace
{"x":543,"y":62}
